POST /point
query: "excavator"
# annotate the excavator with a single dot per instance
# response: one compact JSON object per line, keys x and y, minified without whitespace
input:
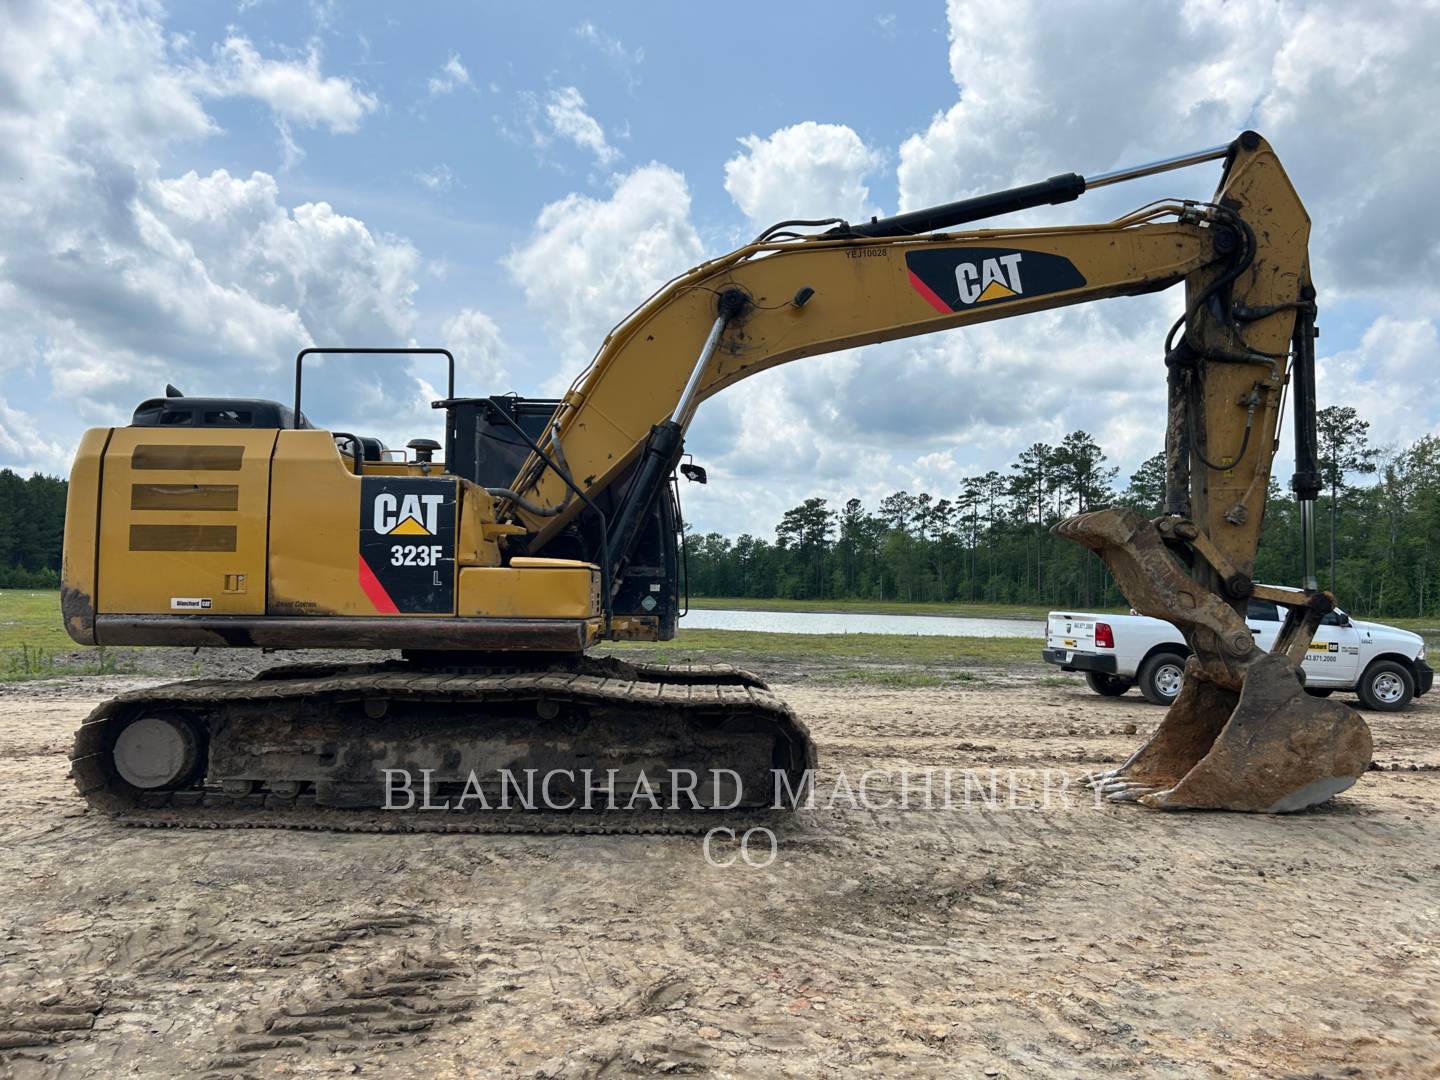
{"x":550,"y":526}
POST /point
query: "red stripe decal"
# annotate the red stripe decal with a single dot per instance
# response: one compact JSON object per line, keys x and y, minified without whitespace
{"x":375,"y":591}
{"x":929,"y":295}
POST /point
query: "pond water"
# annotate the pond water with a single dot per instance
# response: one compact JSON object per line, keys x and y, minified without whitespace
{"x":821,"y":622}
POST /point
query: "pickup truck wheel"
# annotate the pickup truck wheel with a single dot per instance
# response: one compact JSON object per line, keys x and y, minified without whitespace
{"x":1108,"y":685}
{"x":1386,"y":686}
{"x":1160,"y":677}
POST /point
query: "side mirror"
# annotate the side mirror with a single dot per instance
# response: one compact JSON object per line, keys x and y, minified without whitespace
{"x":694,"y":473}
{"x":1342,"y":619}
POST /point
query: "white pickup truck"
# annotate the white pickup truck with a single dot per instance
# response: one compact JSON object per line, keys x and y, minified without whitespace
{"x":1385,"y":666}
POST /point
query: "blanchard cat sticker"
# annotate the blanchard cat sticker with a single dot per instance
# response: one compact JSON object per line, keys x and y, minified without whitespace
{"x":407,"y":544}
{"x":958,"y":279}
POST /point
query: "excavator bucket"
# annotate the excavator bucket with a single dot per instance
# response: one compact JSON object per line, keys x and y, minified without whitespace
{"x":1270,"y":749}
{"x":1243,"y":734}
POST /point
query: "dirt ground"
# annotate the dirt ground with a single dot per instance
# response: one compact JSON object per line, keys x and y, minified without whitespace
{"x":983,"y":941}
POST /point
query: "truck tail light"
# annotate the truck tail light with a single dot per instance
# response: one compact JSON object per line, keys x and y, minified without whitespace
{"x":1104,"y":636}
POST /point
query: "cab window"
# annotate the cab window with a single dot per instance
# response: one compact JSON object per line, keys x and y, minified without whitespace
{"x":227,"y":418}
{"x":1263,"y":611}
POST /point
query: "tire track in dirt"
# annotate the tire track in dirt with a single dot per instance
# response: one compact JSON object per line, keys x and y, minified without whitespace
{"x":1035,"y":942}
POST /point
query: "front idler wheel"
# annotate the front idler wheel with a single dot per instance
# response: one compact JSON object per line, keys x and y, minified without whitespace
{"x":158,"y":752}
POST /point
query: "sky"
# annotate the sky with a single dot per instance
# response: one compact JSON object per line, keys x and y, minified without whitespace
{"x":192,"y":192}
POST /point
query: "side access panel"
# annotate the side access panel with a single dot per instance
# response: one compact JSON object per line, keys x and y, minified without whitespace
{"x":183,"y":517}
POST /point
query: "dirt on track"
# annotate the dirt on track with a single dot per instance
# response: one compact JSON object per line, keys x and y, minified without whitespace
{"x":982,"y":940}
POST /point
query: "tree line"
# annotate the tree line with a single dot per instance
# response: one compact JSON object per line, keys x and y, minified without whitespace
{"x":989,"y":540}
{"x":32,"y":526}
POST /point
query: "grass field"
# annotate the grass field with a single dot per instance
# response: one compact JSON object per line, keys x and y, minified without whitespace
{"x":855,"y":648}
{"x":1428,"y":627}
{"x":32,"y":639}
{"x":31,"y":618}
{"x":882,"y":607}
{"x":34,"y":645}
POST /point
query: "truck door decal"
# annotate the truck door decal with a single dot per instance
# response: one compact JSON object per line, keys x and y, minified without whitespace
{"x":407,"y":544}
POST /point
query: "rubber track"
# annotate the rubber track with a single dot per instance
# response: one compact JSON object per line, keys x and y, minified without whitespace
{"x":644,"y":686}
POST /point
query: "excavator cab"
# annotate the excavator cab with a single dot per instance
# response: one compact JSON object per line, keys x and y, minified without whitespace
{"x":490,"y":440}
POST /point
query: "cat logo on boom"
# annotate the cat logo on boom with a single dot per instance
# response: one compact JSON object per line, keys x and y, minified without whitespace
{"x":990,"y":279}
{"x":960,"y":278}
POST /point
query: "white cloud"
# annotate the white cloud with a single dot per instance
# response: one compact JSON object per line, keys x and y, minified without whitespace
{"x":1391,"y":378}
{"x":1097,"y":86}
{"x":450,"y":78}
{"x":82,"y":86}
{"x":1049,"y":90}
{"x":479,"y":351}
{"x":1090,"y":87}
{"x":116,"y":277}
{"x":808,"y":170}
{"x":591,"y":261}
{"x":628,"y":61}
{"x":565,"y":112}
{"x":296,"y":90}
{"x":324,"y":12}
{"x":440,"y":178}
{"x":608,"y":43}
{"x":330,"y":269}
{"x":924,"y":414}
{"x":119,"y":270}
{"x":291,"y":152}
{"x":23,"y":447}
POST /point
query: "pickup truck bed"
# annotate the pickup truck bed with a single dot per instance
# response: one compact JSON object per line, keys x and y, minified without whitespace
{"x":1384,"y":665}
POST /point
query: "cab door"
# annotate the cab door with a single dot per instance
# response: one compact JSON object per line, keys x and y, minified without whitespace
{"x":1264,"y":619}
{"x":1333,"y":658}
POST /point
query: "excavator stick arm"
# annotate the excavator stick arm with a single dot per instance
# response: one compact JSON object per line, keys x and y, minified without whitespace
{"x":1243,"y":734}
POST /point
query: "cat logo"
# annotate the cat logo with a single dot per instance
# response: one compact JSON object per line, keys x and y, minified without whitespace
{"x":959,"y":279}
{"x":408,"y":515}
{"x":989,"y":279}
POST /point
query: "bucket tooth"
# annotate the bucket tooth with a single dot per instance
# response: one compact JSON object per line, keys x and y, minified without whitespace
{"x":1186,"y":734}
